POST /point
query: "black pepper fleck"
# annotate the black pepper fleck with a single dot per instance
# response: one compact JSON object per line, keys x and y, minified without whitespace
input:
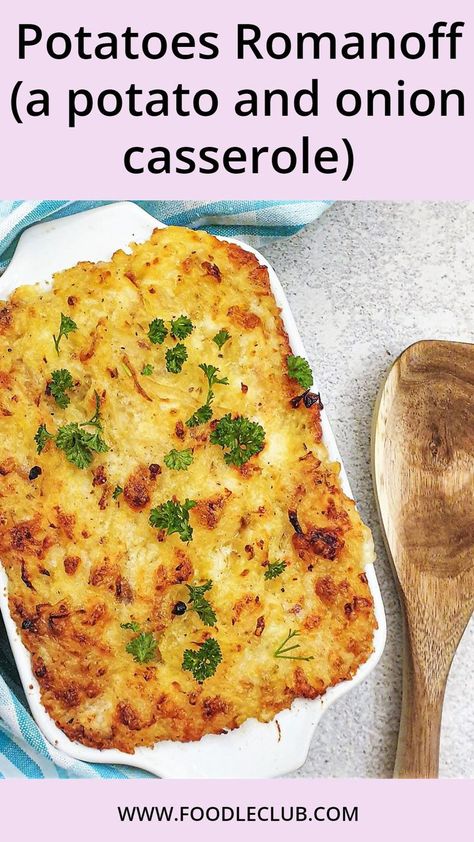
{"x":179,"y":609}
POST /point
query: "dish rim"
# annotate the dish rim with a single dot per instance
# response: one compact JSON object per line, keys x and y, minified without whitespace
{"x":295,"y":725}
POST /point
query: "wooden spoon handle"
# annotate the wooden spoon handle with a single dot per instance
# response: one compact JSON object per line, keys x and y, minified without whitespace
{"x":420,"y":722}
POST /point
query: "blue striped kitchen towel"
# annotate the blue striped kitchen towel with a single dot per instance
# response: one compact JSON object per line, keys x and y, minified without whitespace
{"x":254,"y":222}
{"x":23,"y":750}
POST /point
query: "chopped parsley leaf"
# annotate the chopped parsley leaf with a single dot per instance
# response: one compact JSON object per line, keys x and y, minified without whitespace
{"x":78,"y":445}
{"x":203,"y":662}
{"x":143,"y":647}
{"x":132,"y":626}
{"x":242,"y":438}
{"x":299,"y":370}
{"x":173,"y":517}
{"x":211,"y":373}
{"x":175,"y":358}
{"x":181,"y":327}
{"x":179,"y":460}
{"x":204,"y":413}
{"x":67,"y":326}
{"x":275,"y":569}
{"x":221,"y":338}
{"x":61,"y":381}
{"x":157,"y":332}
{"x":118,"y":490}
{"x":42,"y":437}
{"x":200,"y":604}
{"x":147,"y":370}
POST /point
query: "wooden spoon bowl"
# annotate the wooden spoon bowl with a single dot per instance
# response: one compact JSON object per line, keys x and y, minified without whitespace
{"x":423,"y":472}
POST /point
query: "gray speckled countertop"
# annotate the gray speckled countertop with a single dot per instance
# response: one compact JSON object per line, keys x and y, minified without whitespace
{"x":364,"y":282}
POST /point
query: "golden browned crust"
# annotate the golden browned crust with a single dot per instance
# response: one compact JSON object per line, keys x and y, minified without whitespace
{"x":81,"y":562}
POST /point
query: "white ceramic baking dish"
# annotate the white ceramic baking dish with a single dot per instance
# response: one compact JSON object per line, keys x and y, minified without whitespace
{"x":255,"y":750}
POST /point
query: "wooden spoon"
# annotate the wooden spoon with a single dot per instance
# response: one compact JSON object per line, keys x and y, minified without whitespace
{"x":423,"y":471}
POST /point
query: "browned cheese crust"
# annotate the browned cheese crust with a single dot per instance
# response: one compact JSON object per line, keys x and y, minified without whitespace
{"x":81,"y":563}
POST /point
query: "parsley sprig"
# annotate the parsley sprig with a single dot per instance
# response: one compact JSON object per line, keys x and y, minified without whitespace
{"x":299,"y":370}
{"x":211,"y":374}
{"x":179,"y":460}
{"x":67,"y":326}
{"x":61,"y":382}
{"x":77,"y":444}
{"x":241,"y":437}
{"x":275,"y":569}
{"x":173,"y":517}
{"x":42,"y":437}
{"x":204,"y":413}
{"x":181,"y":327}
{"x":157,"y":332}
{"x":143,"y":647}
{"x":203,"y":662}
{"x":175,"y":358}
{"x":221,"y":338}
{"x":283,"y":649}
{"x":200,"y":604}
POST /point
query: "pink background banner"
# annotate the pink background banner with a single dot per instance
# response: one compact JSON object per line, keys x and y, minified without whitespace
{"x":391,"y":810}
{"x":394,"y":157}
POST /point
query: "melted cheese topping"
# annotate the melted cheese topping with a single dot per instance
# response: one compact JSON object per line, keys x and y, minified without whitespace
{"x":81,"y":563}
